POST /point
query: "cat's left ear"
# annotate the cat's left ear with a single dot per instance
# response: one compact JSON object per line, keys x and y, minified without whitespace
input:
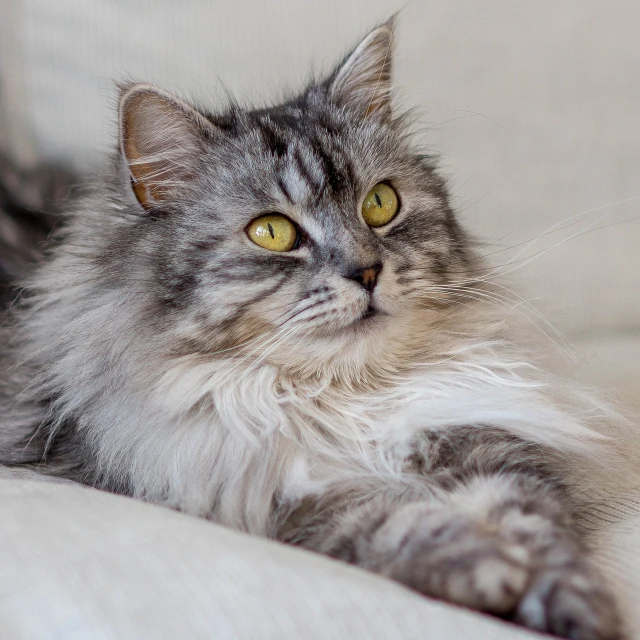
{"x":161,"y":138}
{"x":363,"y":81}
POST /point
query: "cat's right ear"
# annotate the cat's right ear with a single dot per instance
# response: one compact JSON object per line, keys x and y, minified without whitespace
{"x":161,"y":138}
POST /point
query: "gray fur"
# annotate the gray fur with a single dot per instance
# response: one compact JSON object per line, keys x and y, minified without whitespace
{"x":161,"y":354}
{"x":31,"y":203}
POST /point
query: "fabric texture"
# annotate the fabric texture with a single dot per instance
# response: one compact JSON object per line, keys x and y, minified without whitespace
{"x":81,"y":564}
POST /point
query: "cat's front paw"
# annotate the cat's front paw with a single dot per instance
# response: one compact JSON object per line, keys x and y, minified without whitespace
{"x":522,"y":568}
{"x":569,"y":603}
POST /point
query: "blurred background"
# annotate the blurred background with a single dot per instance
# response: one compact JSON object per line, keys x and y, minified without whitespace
{"x":533,"y":108}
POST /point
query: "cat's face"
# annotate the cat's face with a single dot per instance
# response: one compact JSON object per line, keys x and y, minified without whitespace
{"x":324,"y":276}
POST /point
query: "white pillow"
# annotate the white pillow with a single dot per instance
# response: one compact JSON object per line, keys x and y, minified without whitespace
{"x":80,"y":564}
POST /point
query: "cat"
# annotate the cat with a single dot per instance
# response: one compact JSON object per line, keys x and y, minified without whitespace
{"x":272,"y":318}
{"x":31,"y":203}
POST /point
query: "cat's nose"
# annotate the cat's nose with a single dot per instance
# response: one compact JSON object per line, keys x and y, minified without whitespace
{"x":366,"y":276}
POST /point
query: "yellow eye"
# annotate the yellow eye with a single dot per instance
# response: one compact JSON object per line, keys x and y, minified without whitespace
{"x":380,"y":206}
{"x":273,"y":232}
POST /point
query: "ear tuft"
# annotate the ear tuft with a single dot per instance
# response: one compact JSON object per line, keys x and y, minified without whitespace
{"x":161,"y":139}
{"x":363,"y":80}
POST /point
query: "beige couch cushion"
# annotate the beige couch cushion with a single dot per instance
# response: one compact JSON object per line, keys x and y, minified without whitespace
{"x":79,"y":564}
{"x":617,"y":548}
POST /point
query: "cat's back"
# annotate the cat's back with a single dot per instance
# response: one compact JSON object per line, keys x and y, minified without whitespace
{"x":31,"y":206}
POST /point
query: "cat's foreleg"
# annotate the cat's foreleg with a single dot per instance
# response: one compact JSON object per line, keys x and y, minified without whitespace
{"x":498,"y":542}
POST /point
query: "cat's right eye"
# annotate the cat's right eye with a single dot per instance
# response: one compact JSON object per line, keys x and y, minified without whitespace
{"x":274,"y":232}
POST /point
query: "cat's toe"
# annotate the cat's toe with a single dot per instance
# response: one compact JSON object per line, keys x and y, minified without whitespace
{"x":493,"y":584}
{"x":570,"y":604}
{"x":472,"y":571}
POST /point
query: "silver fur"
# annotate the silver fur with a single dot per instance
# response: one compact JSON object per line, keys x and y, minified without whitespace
{"x":162,"y":354}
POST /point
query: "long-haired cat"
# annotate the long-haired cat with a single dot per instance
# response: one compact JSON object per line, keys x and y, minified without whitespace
{"x":271,"y":318}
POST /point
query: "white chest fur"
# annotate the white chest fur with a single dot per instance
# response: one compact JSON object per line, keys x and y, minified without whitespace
{"x":227,"y":442}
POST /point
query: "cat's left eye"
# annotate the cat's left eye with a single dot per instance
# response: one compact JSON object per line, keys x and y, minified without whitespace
{"x":274,"y":232}
{"x":380,"y":205}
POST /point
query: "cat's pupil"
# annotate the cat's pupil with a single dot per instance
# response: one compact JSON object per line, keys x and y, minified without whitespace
{"x":271,"y":232}
{"x":378,"y":201}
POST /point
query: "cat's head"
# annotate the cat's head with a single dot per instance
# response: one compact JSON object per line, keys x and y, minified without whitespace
{"x":306,"y":234}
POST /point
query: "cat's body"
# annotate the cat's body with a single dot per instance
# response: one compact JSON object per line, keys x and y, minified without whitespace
{"x":356,"y":393}
{"x":30,"y":205}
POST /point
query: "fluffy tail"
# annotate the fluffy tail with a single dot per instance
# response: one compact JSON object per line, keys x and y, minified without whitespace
{"x":31,"y":203}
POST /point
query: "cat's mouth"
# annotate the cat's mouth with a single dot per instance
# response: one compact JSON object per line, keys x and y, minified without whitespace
{"x":370,"y":312}
{"x":368,"y":317}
